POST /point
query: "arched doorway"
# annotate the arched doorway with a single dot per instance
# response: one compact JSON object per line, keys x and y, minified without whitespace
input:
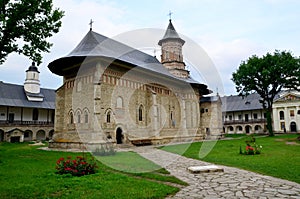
{"x":119,"y":136}
{"x":248,"y":129}
{"x":293,"y":127}
{"x":40,"y":135}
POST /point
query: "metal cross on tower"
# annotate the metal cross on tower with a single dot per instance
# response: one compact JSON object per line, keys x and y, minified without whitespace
{"x":170,"y":14}
{"x":91,"y":24}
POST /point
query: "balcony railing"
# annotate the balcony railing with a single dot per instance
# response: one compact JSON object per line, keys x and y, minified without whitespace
{"x":25,"y":123}
{"x":250,"y":121}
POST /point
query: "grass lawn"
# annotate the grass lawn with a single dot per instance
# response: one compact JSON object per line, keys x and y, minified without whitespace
{"x":280,"y":155}
{"x":26,"y":172}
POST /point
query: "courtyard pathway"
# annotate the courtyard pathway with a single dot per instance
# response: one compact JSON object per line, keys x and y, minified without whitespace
{"x":232,"y":183}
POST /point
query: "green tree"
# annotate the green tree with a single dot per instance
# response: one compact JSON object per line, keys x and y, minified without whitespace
{"x":267,"y":76}
{"x":25,"y":26}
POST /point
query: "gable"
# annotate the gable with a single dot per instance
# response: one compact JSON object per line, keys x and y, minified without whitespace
{"x":288,"y":97}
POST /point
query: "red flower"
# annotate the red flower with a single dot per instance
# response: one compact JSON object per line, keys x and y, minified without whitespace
{"x":249,"y":148}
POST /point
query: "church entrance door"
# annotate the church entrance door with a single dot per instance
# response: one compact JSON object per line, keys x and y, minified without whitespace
{"x":119,"y":136}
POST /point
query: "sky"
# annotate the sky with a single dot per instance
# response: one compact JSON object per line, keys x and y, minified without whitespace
{"x":228,"y":31}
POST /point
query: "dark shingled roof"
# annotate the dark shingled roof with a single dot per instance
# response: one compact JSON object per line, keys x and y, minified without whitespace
{"x":14,"y":95}
{"x":97,"y":45}
{"x":171,"y":34}
{"x":239,"y":103}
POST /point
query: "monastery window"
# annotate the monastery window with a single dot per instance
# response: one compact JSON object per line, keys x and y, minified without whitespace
{"x":71,"y":118}
{"x":167,"y":55}
{"x":35,"y":114}
{"x":292,"y":113}
{"x":173,"y":122}
{"x":255,"y":116}
{"x":78,"y":117}
{"x":281,"y":115}
{"x":141,"y":113}
{"x":119,"y":102}
{"x":298,"y":112}
{"x":108,"y":115}
{"x":86,"y":116}
{"x":240,"y":117}
{"x":230,"y":117}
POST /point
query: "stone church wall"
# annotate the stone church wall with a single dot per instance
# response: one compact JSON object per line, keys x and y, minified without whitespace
{"x":92,"y":109}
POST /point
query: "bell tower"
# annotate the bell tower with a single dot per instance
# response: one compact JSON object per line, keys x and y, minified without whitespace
{"x":32,"y":84}
{"x":171,"y":48}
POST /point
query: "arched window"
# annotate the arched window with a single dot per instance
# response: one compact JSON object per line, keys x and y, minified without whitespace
{"x":35,"y":114}
{"x":281,"y":115}
{"x":141,"y":113}
{"x":78,"y":117}
{"x":108,"y":115}
{"x":86,"y":116}
{"x":71,"y":118}
{"x":119,"y":102}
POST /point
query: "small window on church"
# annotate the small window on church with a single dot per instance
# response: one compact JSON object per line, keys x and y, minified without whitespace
{"x":298,"y":112}
{"x":78,"y":118}
{"x":108,"y":117}
{"x":71,"y":118}
{"x":119,"y":102}
{"x":86,"y":117}
{"x":141,"y":113}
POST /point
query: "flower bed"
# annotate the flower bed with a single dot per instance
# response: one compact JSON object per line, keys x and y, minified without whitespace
{"x":251,"y":147}
{"x":76,"y":167}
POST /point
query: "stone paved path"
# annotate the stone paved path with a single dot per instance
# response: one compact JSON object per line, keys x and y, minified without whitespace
{"x":232,"y":183}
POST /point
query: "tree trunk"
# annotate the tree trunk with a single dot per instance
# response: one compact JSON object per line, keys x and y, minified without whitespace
{"x":269,"y":122}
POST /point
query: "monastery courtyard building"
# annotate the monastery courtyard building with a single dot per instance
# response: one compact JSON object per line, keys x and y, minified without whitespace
{"x":113,"y":93}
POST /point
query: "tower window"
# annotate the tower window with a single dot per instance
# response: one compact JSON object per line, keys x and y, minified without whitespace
{"x":108,"y":117}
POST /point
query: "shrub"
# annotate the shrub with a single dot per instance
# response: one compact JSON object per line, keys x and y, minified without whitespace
{"x":77,"y":167}
{"x":251,"y":147}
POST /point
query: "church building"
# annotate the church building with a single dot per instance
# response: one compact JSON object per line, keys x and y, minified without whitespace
{"x":113,"y":93}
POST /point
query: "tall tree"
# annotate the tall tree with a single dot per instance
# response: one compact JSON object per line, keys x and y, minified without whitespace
{"x":25,"y":26}
{"x":267,"y":76}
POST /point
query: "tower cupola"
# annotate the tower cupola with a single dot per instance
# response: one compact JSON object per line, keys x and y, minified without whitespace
{"x":32,"y":84}
{"x":171,"y":48}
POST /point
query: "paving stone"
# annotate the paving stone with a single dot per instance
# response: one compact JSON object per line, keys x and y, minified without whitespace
{"x":232,"y":183}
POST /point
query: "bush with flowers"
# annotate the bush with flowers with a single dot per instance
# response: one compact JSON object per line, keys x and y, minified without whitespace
{"x":76,"y":167}
{"x":251,"y":147}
